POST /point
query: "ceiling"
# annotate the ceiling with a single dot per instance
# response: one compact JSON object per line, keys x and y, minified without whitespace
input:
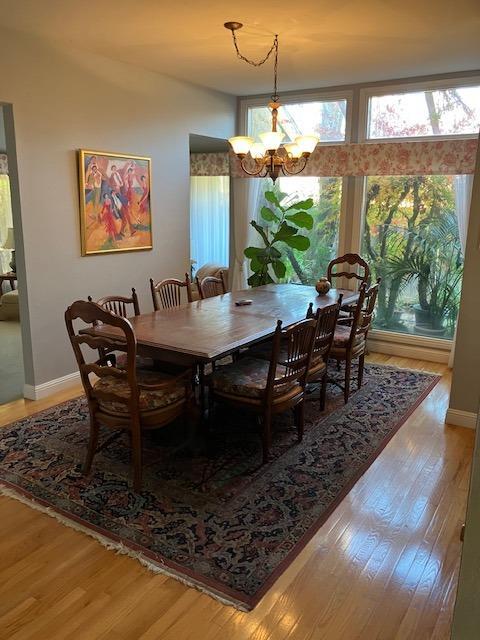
{"x":321,"y":43}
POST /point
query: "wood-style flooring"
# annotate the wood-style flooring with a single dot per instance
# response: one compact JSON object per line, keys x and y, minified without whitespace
{"x":384,"y":566}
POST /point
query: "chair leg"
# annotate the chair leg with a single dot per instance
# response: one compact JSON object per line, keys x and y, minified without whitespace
{"x":348,"y":366}
{"x":92,"y":446}
{"x":323,"y":392}
{"x":137,"y":457}
{"x":300,"y":419}
{"x":361,"y":362}
{"x":266,"y":435}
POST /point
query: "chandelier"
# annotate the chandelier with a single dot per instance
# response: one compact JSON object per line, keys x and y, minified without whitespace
{"x":269,"y":157}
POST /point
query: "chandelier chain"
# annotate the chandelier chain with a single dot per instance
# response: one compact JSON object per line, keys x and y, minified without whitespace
{"x":259,"y":63}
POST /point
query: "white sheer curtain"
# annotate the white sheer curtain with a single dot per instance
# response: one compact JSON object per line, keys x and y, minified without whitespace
{"x":463,"y":197}
{"x":5,"y":222}
{"x":247,"y":195}
{"x":209,"y":219}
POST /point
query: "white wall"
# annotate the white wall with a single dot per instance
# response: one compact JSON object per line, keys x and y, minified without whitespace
{"x":64,"y":100}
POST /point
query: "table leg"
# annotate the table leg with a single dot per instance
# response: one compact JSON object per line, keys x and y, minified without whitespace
{"x":201,"y":381}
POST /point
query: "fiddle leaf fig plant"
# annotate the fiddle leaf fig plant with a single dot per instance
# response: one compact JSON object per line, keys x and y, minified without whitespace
{"x":282,"y":228}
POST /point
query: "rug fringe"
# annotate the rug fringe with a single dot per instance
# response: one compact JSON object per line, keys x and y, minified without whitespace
{"x":120,"y":548}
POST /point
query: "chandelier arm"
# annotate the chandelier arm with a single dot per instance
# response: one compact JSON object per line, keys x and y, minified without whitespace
{"x":251,"y":173}
{"x":289,"y":172}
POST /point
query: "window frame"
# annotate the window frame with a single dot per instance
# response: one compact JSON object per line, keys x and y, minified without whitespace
{"x":294,"y":98}
{"x":353,"y":188}
{"x":409,"y":87}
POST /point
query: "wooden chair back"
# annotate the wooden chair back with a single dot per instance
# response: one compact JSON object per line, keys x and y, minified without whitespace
{"x":292,"y":348}
{"x":167,"y":294}
{"x":366,"y":311}
{"x":91,"y":313}
{"x":211,"y":286}
{"x":326,"y":320}
{"x":120,"y":305}
{"x":362,"y":272}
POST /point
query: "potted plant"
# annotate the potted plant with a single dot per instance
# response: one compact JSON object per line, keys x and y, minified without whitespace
{"x":435,"y":264}
{"x":282,"y":227}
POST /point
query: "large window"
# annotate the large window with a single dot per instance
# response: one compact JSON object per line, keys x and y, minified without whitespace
{"x":325,"y":119}
{"x":411,"y":240}
{"x":454,"y":111}
{"x":410,"y":228}
{"x":307,"y":266}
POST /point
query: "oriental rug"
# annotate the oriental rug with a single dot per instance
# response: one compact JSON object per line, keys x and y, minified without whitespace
{"x":210,"y":514}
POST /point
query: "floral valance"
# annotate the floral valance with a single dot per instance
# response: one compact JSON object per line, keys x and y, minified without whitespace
{"x":442,"y":157}
{"x":3,"y":164}
{"x":209,"y":164}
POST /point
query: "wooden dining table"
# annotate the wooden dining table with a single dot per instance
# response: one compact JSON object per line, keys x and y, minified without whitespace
{"x":207,"y":330}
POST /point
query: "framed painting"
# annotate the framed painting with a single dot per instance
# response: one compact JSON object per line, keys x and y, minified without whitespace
{"x":115,"y":206}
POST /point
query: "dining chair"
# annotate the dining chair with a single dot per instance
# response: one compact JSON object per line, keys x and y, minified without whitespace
{"x":123,"y":399}
{"x":168,"y":293}
{"x":350,"y":338}
{"x":326,"y":320}
{"x":361,"y":274}
{"x":269,"y":387}
{"x":211,"y":286}
{"x":124,"y":307}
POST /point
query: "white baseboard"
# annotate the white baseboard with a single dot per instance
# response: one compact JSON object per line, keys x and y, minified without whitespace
{"x":460,"y":418}
{"x":408,"y":350}
{"x":36,"y":392}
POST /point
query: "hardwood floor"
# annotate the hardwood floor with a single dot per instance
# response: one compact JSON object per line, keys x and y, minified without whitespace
{"x":384,"y":566}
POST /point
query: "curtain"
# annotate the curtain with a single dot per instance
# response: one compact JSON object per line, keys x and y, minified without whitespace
{"x":5,"y":222}
{"x":463,"y":196}
{"x":247,"y":195}
{"x":209,"y":220}
{"x":430,"y":157}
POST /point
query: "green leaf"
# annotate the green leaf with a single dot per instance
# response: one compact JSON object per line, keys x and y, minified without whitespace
{"x":303,"y":204}
{"x":279,"y":268}
{"x":257,"y":279}
{"x":301,"y":219}
{"x":262,"y":231}
{"x":268,"y":215}
{"x":251,"y":252}
{"x":285,"y":231}
{"x":273,"y":252}
{"x":302,"y":243}
{"x":256,"y":264}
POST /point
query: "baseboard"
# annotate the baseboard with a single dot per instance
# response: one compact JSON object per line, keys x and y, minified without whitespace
{"x":460,"y":418}
{"x":36,"y":392}
{"x":408,"y":350}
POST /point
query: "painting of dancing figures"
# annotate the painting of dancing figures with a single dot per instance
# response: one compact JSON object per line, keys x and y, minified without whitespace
{"x":114,"y":202}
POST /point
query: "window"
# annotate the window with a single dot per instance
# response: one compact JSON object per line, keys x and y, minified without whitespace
{"x":325,"y":119}
{"x":454,"y":111}
{"x":307,"y":266}
{"x":411,"y":240}
{"x":209,"y":220}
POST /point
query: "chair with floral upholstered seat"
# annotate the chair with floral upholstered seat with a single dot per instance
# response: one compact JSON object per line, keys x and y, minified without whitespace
{"x":326,"y":320}
{"x":350,"y":338}
{"x":360,"y":272}
{"x":269,"y":387}
{"x":121,"y":398}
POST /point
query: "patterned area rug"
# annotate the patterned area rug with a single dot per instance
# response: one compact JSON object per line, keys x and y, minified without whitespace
{"x":210,"y":514}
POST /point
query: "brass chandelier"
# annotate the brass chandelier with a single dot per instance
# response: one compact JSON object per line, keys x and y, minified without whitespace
{"x":269,"y":157}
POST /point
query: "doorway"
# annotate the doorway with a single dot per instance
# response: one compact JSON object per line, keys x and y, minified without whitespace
{"x":12,"y":377}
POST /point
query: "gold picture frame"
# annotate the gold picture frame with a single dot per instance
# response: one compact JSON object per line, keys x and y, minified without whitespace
{"x":115,"y":202}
